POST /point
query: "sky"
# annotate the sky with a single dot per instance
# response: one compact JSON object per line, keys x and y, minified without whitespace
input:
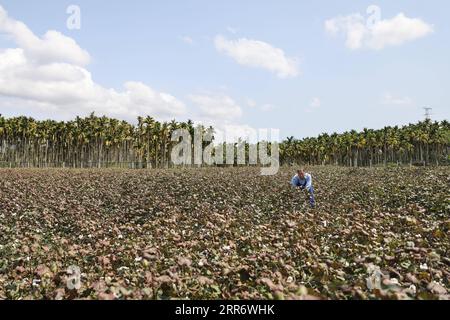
{"x":303,"y":67}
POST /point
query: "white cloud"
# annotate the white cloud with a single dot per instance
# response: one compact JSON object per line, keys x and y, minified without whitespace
{"x":231,"y":133}
{"x":267,"y":107}
{"x":264,"y":108}
{"x":187,"y":40}
{"x":49,"y":73}
{"x":52,"y":47}
{"x":224,"y":114}
{"x":384,"y":33}
{"x":389,"y":99}
{"x":48,"y":76}
{"x":232,"y":30}
{"x":218,"y":106}
{"x":251,"y":103}
{"x":315,"y":104}
{"x":258,"y":54}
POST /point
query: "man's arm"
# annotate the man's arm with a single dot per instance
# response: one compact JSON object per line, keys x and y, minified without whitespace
{"x":308,"y":182}
{"x":294,"y":182}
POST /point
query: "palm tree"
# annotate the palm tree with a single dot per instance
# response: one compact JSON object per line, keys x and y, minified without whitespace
{"x":101,"y":142}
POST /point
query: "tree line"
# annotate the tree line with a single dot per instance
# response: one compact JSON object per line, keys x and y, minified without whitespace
{"x":90,"y":142}
{"x":97,"y":142}
{"x":424,"y":143}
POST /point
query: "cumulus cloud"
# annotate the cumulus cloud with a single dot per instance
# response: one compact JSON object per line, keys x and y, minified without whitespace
{"x":187,"y":40}
{"x":52,"y":47}
{"x":315,"y":104}
{"x":49,"y":73}
{"x":250,"y":102}
{"x":232,"y":30}
{"x":48,"y":76}
{"x":224,"y":114}
{"x":258,"y":54}
{"x":267,"y":107}
{"x":217,"y":106}
{"x":384,"y":33}
{"x":232,"y":133}
{"x":389,"y":99}
{"x":264,"y":107}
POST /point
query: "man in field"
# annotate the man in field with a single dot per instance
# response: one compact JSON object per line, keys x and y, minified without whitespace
{"x":303,"y":181}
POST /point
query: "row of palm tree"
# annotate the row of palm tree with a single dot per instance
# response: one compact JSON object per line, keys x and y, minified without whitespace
{"x":105,"y":142}
{"x":424,"y":143}
{"x":87,"y":142}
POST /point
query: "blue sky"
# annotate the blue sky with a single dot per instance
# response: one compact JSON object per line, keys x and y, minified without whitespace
{"x":322,"y":83}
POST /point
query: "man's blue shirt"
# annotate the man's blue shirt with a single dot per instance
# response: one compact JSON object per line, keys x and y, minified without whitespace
{"x":305,"y":183}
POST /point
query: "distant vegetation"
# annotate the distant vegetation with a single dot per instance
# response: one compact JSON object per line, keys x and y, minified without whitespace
{"x":87,"y":142}
{"x":105,"y":142}
{"x":424,"y":143}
